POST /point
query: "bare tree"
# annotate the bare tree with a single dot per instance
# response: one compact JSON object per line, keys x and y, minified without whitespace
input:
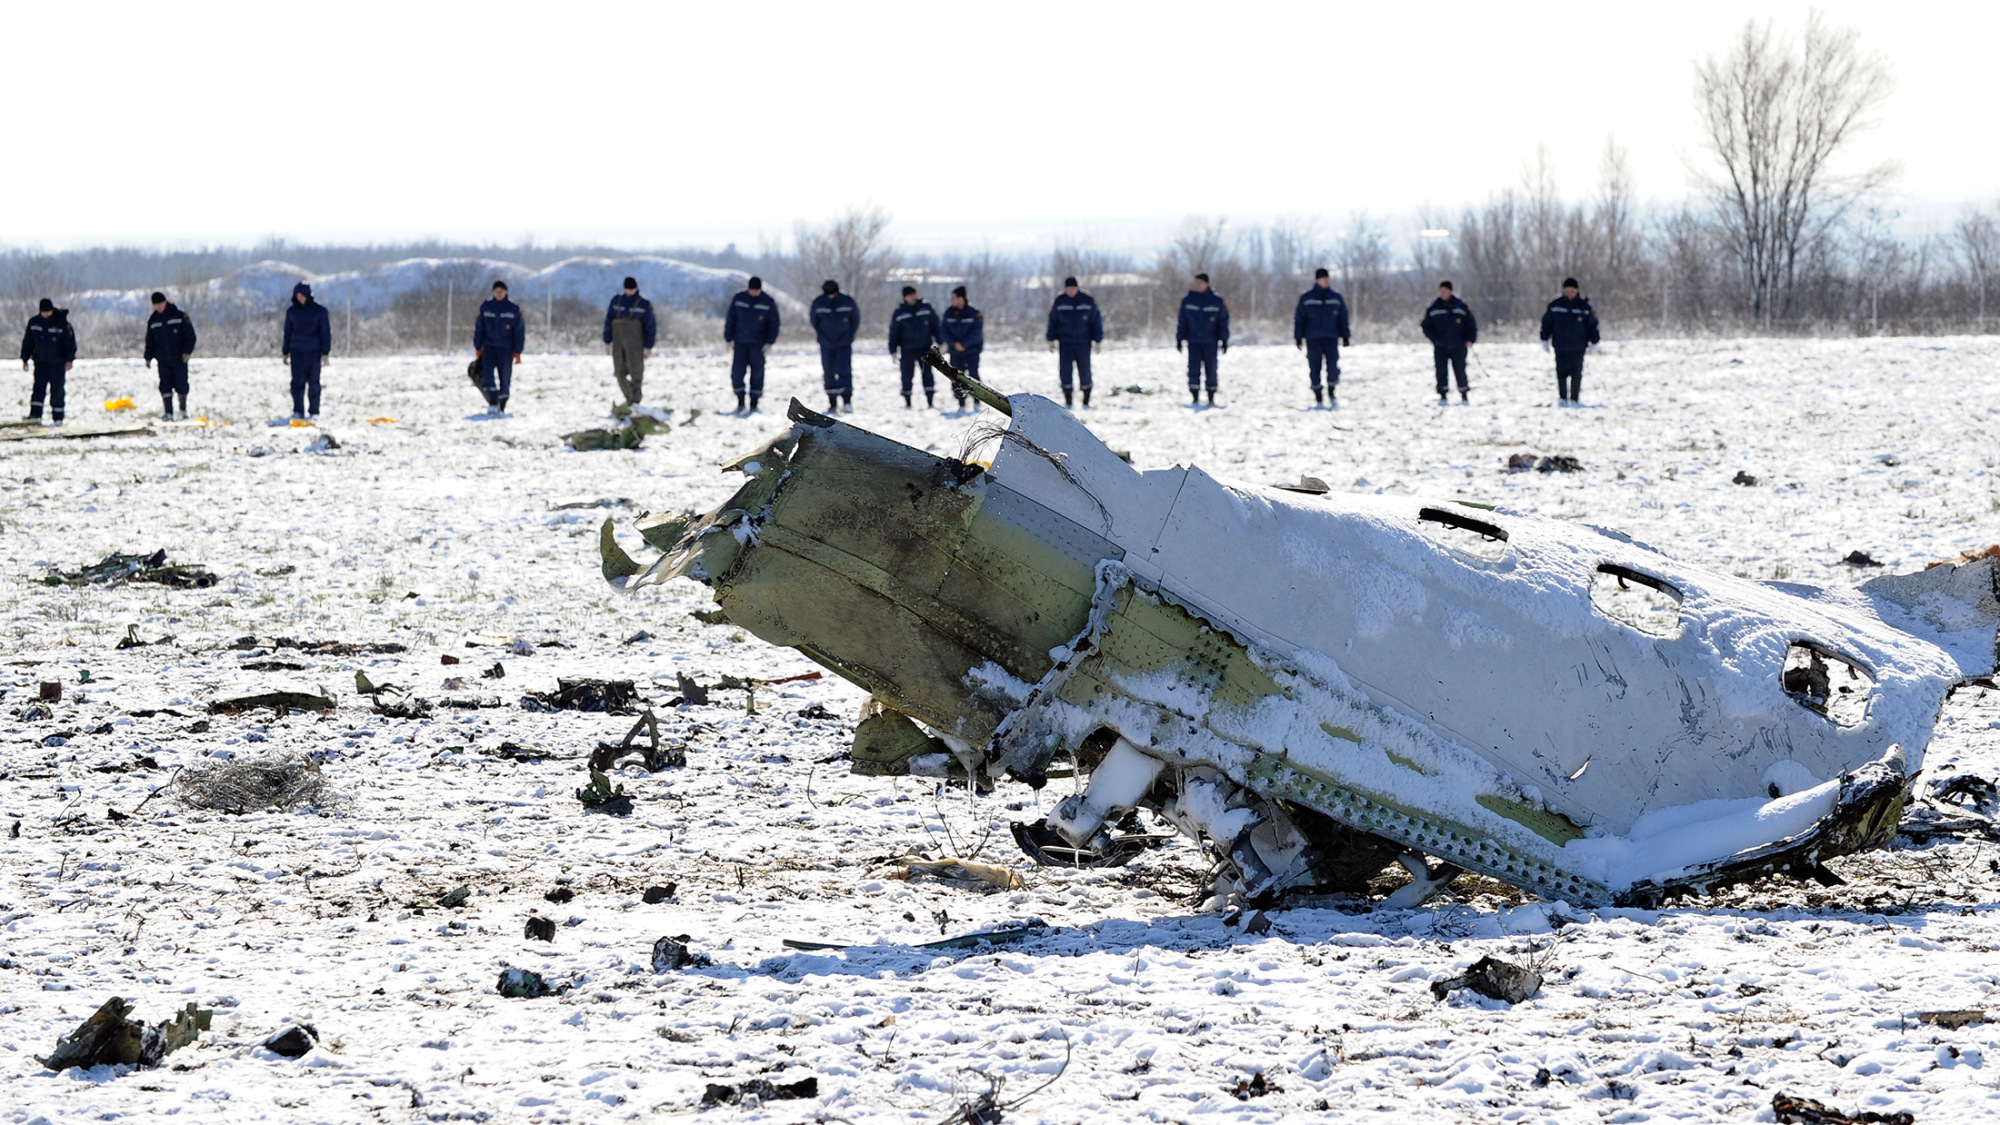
{"x":1978,"y":247}
{"x":849,"y":249}
{"x":1776,"y":114}
{"x":1361,"y":258}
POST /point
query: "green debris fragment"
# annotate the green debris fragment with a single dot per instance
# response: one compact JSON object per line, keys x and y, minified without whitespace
{"x":601,"y":796}
{"x":524,"y":984}
{"x":279,"y":701}
{"x":455,"y":897}
{"x":111,"y":1036}
{"x":885,"y":742}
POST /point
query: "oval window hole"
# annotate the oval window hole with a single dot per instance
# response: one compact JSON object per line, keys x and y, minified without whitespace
{"x":1635,"y":598}
{"x":1468,"y":534}
{"x":1828,"y":683}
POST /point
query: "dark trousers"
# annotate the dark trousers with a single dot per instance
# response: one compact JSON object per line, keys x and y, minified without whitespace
{"x":305,"y":382}
{"x":748,"y":357}
{"x":496,"y":376}
{"x":1449,"y":361}
{"x":1201,"y":356}
{"x":1569,"y":376}
{"x":173,"y":381}
{"x":1073,"y":355}
{"x":49,"y":378}
{"x":836,"y":366}
{"x":908,"y":358}
{"x":1325,"y":351}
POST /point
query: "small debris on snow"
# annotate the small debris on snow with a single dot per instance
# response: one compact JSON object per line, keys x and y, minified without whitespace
{"x":1805,"y":1111}
{"x":1494,"y":979}
{"x":601,"y":796}
{"x":539,"y":928}
{"x":294,"y":1041}
{"x":1859,"y":558}
{"x":1953,"y":1020}
{"x":657,"y":895}
{"x":110,"y":1036}
{"x":1744,"y":479}
{"x":757,"y":1091}
{"x":670,"y":953}
{"x":523,"y":984}
{"x":612,"y":697}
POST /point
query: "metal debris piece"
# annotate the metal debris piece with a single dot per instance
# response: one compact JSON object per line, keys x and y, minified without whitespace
{"x":524,"y":984}
{"x":1953,"y":1020}
{"x":1002,"y":935}
{"x":670,"y":953}
{"x":110,"y":1036}
{"x":961,"y":870}
{"x":539,"y":928}
{"x":278,"y":701}
{"x":1791,"y":1109}
{"x":119,"y":569}
{"x":1449,"y":689}
{"x":1493,"y":979}
{"x":294,"y":1041}
{"x":613,"y":697}
{"x":601,"y":796}
{"x":757,"y":1091}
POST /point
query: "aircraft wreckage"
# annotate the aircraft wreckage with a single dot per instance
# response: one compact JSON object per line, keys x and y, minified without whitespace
{"x":1319,"y":685}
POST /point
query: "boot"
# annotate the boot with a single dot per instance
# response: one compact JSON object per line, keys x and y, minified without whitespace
{"x":833,"y":404}
{"x":739,"y":402}
{"x":168,"y":415}
{"x":1086,"y":397}
{"x":1331,"y":400}
{"x":1465,"y":398}
{"x":847,"y":403}
{"x":1195,"y":395}
{"x":1444,"y":399}
{"x":184,"y":408}
{"x":1069,"y":398}
{"x":930,"y":399}
{"x":1211,"y":398}
{"x":906,"y":402}
{"x":753,"y":403}
{"x":1319,"y":399}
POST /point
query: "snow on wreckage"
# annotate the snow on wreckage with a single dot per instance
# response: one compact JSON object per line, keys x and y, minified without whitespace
{"x":1319,"y":685}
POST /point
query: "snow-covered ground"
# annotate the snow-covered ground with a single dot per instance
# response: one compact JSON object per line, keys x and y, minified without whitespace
{"x":443,"y":533}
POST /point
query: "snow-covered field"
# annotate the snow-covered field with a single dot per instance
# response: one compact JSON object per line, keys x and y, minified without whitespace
{"x":443,"y":533}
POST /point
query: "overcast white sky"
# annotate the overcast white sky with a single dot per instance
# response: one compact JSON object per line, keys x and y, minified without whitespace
{"x":652,"y":124}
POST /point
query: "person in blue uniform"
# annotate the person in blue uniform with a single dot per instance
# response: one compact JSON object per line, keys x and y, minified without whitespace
{"x":835,"y":319}
{"x":1569,"y":328}
{"x":50,"y":345}
{"x":1319,"y":325}
{"x":1076,"y":329}
{"x":1204,"y":329}
{"x":964,"y":331}
{"x":913,"y":328}
{"x":1451,"y":328}
{"x":751,"y":326}
{"x":498,"y":337}
{"x":307,"y":343}
{"x":169,"y":341}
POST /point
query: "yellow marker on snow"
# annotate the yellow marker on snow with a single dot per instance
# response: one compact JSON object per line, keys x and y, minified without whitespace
{"x":381,"y":421}
{"x":122,"y":403}
{"x":301,"y":423}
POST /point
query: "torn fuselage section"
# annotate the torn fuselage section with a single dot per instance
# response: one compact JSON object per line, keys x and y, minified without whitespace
{"x":1315,"y":685}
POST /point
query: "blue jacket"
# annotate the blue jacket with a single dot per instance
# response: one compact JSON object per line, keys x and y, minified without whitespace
{"x":1204,"y":319}
{"x":913,"y":326}
{"x":500,"y":326}
{"x":963,"y":326}
{"x":49,"y":339}
{"x":1571,"y":326}
{"x":307,"y":327}
{"x":635,"y":307}
{"x":1075,"y":320}
{"x":169,"y":335}
{"x":1321,"y":315}
{"x":835,"y":320}
{"x":1449,"y":324}
{"x":751,"y":321}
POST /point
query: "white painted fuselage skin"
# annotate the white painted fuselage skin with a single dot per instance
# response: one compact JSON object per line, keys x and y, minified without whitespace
{"x":1506,"y":658}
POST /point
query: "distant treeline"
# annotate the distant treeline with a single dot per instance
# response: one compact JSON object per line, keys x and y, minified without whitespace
{"x":1669,"y":273}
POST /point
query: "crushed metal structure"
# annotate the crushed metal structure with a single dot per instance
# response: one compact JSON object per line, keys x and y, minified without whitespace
{"x":1319,"y":685}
